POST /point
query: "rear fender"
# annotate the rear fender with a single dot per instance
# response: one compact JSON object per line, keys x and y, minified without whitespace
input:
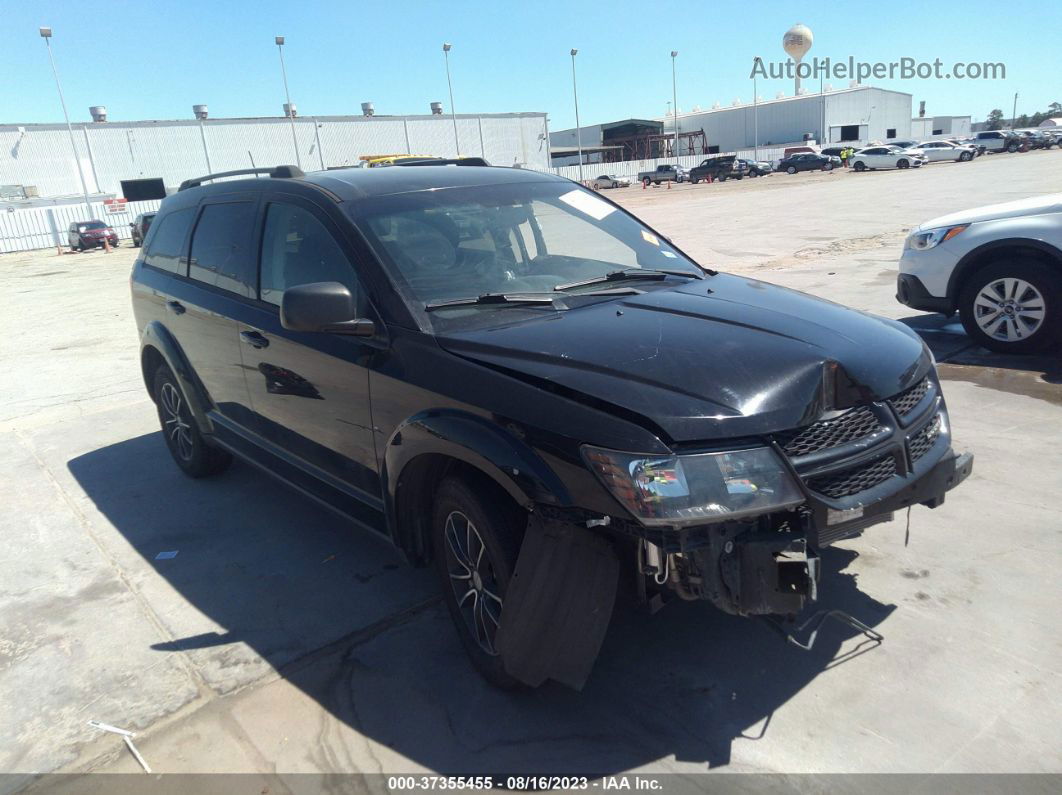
{"x":158,"y":337}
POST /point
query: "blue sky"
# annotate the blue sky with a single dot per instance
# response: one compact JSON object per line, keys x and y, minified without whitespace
{"x":153,"y":60}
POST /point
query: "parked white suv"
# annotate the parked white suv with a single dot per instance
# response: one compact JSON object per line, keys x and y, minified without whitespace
{"x":999,"y":266}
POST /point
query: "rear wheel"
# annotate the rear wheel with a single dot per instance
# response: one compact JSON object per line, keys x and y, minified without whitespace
{"x":827,"y":166}
{"x":645,"y":182}
{"x":186,"y":444}
{"x":1013,"y":306}
{"x":1012,"y":148}
{"x":860,"y":166}
{"x":476,"y":536}
{"x":791,"y":170}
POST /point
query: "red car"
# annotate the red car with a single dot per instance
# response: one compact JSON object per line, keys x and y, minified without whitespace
{"x":90,"y":234}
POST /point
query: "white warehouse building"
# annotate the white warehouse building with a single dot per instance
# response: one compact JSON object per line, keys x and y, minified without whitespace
{"x":858,"y":114}
{"x":39,"y":157}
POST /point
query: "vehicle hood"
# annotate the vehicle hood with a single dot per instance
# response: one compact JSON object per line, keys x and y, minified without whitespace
{"x":1034,"y":205}
{"x":716,"y":358}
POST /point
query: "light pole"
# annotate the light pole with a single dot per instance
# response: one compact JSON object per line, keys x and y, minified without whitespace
{"x":290,"y":109}
{"x":453,"y":111}
{"x":755,"y":120}
{"x":578,"y":132}
{"x":46,"y":34}
{"x":674,"y":105}
{"x":1014,"y":113}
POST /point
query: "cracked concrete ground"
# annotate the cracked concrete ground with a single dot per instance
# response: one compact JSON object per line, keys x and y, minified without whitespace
{"x":279,"y":639}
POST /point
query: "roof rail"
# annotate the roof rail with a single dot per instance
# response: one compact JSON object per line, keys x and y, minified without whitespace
{"x":278,"y":172}
{"x":442,"y":161}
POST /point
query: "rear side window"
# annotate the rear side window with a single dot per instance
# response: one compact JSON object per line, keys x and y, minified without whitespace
{"x":165,"y":248}
{"x":298,"y":249}
{"x":222,"y":254}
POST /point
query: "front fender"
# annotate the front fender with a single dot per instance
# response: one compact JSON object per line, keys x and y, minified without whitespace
{"x":159,"y":338}
{"x":473,"y":440}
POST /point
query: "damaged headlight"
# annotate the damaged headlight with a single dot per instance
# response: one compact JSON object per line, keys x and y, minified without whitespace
{"x":695,"y":489}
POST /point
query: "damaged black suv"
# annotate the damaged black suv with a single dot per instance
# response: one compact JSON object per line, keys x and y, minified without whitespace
{"x":514,"y":379}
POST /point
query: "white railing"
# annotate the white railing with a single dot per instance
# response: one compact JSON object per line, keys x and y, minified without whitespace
{"x":29,"y":228}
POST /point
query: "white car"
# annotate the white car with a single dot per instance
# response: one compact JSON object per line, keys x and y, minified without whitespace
{"x":999,"y":267}
{"x":887,"y":157}
{"x":609,"y":181}
{"x":946,"y":150}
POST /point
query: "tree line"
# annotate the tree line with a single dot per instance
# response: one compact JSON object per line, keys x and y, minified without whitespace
{"x":995,"y":120}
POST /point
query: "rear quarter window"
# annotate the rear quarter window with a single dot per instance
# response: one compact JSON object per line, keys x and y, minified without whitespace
{"x":165,"y":246}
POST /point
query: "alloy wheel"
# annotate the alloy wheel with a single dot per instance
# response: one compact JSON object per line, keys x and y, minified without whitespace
{"x":175,"y":422}
{"x":473,"y":579}
{"x":1009,"y":309}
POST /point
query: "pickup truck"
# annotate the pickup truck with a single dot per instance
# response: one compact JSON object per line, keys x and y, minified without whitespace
{"x":665,"y":173}
{"x":997,"y":141}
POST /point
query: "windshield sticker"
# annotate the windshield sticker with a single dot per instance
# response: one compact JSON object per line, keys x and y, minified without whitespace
{"x":588,"y":203}
{"x":649,"y":237}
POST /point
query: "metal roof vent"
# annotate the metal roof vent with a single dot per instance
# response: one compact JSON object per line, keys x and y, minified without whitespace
{"x":436,"y":109}
{"x":99,"y":113}
{"x":290,"y":111}
{"x":367,"y":109}
{"x":200,"y":111}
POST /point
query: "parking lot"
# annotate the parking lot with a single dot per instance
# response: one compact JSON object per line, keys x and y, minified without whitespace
{"x":279,"y":640}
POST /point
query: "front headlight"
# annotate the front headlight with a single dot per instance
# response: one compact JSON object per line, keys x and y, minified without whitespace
{"x":695,"y":489}
{"x":928,"y":238}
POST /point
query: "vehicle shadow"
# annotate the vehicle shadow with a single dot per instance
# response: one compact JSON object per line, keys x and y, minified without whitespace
{"x":950,"y":344}
{"x":328,"y":608}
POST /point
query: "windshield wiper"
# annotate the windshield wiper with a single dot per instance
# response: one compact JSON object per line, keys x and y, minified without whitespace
{"x":491,"y":299}
{"x":629,"y":274}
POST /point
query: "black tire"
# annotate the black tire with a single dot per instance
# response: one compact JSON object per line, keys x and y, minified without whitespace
{"x":827,"y":166}
{"x":903,"y":163}
{"x":966,"y":157}
{"x":186,"y":444}
{"x":499,"y":527}
{"x":790,"y":170}
{"x":860,"y":166}
{"x":694,"y":180}
{"x":656,"y":182}
{"x":722,"y":178}
{"x":646,"y":182}
{"x":987,"y":282}
{"x":1012,"y":148}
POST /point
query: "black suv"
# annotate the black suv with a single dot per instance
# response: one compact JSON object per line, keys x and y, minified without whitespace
{"x":719,"y":169}
{"x":515,"y":380}
{"x":140,"y":226}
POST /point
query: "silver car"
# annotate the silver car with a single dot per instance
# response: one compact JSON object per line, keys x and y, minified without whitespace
{"x":945,"y":150}
{"x":609,"y":181}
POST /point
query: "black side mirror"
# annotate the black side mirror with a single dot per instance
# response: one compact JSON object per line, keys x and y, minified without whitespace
{"x":322,"y":306}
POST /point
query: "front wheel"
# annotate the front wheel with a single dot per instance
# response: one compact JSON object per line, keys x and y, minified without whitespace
{"x":1013,"y":306}
{"x":694,"y":180}
{"x":186,"y":444}
{"x":903,"y":164}
{"x":965,"y":157}
{"x":476,"y":537}
{"x":645,"y":182}
{"x":1012,"y":148}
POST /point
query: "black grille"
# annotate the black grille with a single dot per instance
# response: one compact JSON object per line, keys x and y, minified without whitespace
{"x":851,"y":425}
{"x":922,"y":441}
{"x":853,"y":481}
{"x":905,"y":401}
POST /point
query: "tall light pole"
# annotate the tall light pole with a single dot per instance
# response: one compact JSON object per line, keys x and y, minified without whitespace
{"x":453,"y":111}
{"x":674,"y":104}
{"x":290,"y":109}
{"x":578,"y":131}
{"x":1014,"y":113}
{"x":755,"y":120}
{"x":46,"y":34}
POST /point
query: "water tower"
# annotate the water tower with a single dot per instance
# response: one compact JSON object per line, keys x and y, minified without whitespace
{"x":796,"y":42}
